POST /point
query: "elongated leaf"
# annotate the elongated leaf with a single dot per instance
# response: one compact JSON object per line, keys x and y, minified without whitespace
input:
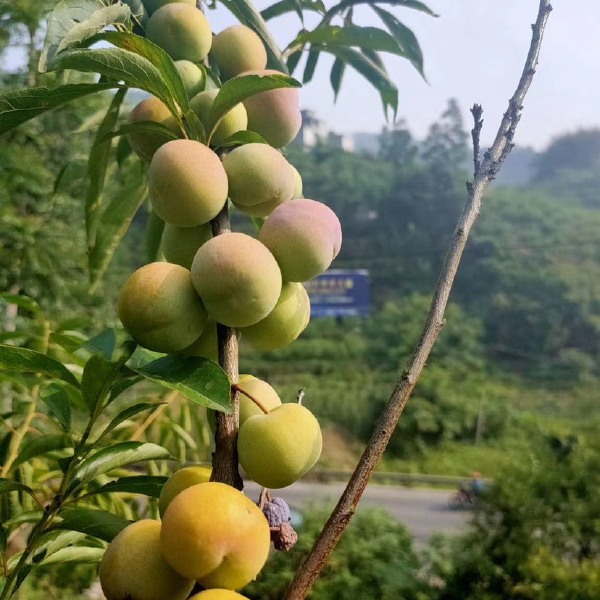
{"x":73,"y":21}
{"x":120,"y":387}
{"x":155,"y":56}
{"x":24,"y":360}
{"x":53,"y":541}
{"x":77,"y":554}
{"x":372,"y":38}
{"x":376,"y":76}
{"x":285,"y":6}
{"x":115,"y":221}
{"x":97,"y":166}
{"x":3,"y":539}
{"x":239,"y":89}
{"x":404,"y":36}
{"x":200,"y":380}
{"x":22,"y":105}
{"x":147,"y":485}
{"x":242,"y":137}
{"x":104,"y":344}
{"x":118,"y":455}
{"x":124,"y":150}
{"x":154,"y":232}
{"x":57,"y":400}
{"x":24,"y":302}
{"x":127,"y":413}
{"x":139,"y":13}
{"x":120,"y":65}
{"x":42,"y":445}
{"x":337,"y":74}
{"x":194,"y":127}
{"x":244,"y":10}
{"x":293,"y":60}
{"x":96,"y":523}
{"x":8,"y":485}
{"x":311,"y":64}
{"x":139,"y":126}
{"x":413,"y":4}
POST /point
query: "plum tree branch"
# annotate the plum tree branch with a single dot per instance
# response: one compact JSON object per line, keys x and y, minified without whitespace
{"x":225,"y":459}
{"x":314,"y":562}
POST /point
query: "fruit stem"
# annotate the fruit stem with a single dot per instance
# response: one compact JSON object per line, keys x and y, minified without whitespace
{"x":300,"y":396}
{"x":225,"y":459}
{"x":256,"y":401}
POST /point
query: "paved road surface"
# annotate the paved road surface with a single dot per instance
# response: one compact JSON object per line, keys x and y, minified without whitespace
{"x":423,"y":511}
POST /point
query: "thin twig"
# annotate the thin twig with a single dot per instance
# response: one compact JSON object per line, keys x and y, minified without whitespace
{"x":314,"y":562}
{"x":477,"y":112}
{"x":225,"y":459}
{"x":254,"y":399}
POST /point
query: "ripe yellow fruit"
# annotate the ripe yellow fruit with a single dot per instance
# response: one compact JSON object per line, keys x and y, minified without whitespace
{"x":133,"y":567}
{"x":260,"y":179}
{"x":278,"y":448}
{"x":218,"y":595}
{"x":214,"y":534}
{"x":233,"y":121}
{"x":145,"y":143}
{"x":284,"y":323}
{"x":237,"y":278}
{"x":160,"y":309}
{"x":181,"y":30}
{"x":187,"y":183}
{"x":179,"y":481}
{"x":238,"y":49}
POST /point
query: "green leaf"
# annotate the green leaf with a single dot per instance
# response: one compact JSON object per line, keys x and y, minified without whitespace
{"x":154,"y":233}
{"x":156,"y":56}
{"x":115,"y":220}
{"x":118,"y":455}
{"x":138,"y":11}
{"x":57,"y":400}
{"x":124,"y":150}
{"x":248,"y":15}
{"x":370,"y":71}
{"x":127,"y":413}
{"x":311,"y":64}
{"x":104,"y":344}
{"x":53,"y":541}
{"x":120,"y":65}
{"x":404,"y":36}
{"x":414,"y":4}
{"x":140,"y":126}
{"x":286,"y":6}
{"x":239,"y":89}
{"x":42,"y":445}
{"x":73,"y":21}
{"x":8,"y":485}
{"x":200,"y":380}
{"x":96,"y":523}
{"x":3,"y":539}
{"x":194,"y":127}
{"x":148,"y":485}
{"x":371,"y":38}
{"x":97,"y":166}
{"x":121,"y":386}
{"x":78,"y":554}
{"x":24,"y":360}
{"x":242,"y":137}
{"x":22,"y":105}
{"x":24,"y":302}
{"x":294,"y":59}
{"x":337,"y":74}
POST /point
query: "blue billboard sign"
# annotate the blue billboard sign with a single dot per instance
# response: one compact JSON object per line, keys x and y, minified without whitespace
{"x":339,"y":293}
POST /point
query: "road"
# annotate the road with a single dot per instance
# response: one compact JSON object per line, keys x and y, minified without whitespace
{"x":423,"y":511}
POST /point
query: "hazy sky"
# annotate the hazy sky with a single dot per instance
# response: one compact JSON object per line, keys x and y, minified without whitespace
{"x":474,"y":52}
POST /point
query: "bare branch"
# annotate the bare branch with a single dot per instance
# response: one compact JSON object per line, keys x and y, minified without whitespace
{"x":225,"y":459}
{"x":477,"y":112}
{"x":314,"y":562}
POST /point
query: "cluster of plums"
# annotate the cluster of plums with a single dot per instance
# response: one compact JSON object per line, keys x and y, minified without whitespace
{"x":212,"y":533}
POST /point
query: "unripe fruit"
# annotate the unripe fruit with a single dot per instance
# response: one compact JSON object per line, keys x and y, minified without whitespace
{"x":218,"y":595}
{"x":237,"y":278}
{"x":278,"y":448}
{"x":154,"y":5}
{"x":180,"y":244}
{"x":206,"y":346}
{"x":260,"y":178}
{"x":284,"y":323}
{"x":187,"y":183}
{"x":275,"y":115}
{"x":214,"y":534}
{"x":298,"y":189}
{"x":304,"y":236}
{"x":232,"y":122}
{"x":192,"y":77}
{"x":133,"y":567}
{"x":181,"y":30}
{"x":179,"y":481}
{"x":237,"y":49}
{"x":160,"y":309}
{"x":145,"y":143}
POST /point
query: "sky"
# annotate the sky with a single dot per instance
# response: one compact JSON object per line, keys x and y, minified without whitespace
{"x":474,"y":52}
